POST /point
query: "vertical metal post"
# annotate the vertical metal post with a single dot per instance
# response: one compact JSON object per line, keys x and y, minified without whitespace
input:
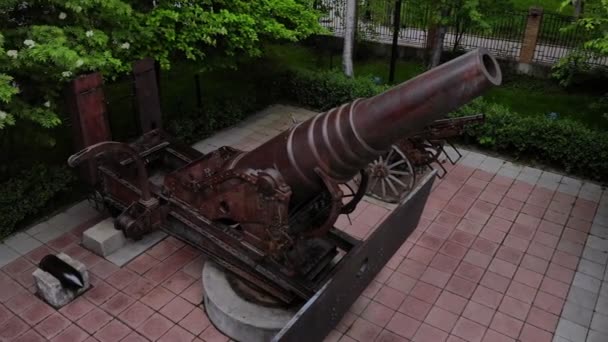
{"x":395,"y":48}
{"x":146,"y":95}
{"x":87,"y":107}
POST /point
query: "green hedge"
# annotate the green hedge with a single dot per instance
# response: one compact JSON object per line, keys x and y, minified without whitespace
{"x":30,"y":192}
{"x":560,"y":143}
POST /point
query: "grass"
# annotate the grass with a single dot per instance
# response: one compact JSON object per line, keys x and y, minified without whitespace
{"x":525,"y":95}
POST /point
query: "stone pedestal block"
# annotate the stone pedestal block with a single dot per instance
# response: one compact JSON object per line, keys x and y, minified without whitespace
{"x":50,"y":289}
{"x":103,"y":239}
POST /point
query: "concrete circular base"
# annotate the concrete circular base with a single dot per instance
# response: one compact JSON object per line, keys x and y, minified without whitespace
{"x":240,"y":319}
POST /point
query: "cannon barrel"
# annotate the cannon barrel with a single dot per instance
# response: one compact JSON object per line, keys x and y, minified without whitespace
{"x":343,"y":140}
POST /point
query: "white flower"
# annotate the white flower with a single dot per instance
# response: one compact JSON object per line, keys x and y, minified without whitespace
{"x":47,"y":104}
{"x":79,"y":63}
{"x":12,"y":53}
{"x":62,"y":15}
{"x":16,"y":86}
{"x":66,"y":74}
{"x":125,"y":46}
{"x":89,"y":33}
{"x":3,"y":115}
{"x":29,"y":43}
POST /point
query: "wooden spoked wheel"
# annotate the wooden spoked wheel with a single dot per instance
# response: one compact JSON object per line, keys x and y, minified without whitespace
{"x":391,"y":176}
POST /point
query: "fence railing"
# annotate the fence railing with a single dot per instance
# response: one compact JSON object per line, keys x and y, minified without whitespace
{"x":506,"y":34}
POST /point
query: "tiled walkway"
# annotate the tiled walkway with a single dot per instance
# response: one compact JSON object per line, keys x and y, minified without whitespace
{"x":502,"y":253}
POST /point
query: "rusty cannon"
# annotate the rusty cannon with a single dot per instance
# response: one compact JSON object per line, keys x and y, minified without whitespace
{"x":267,"y":215}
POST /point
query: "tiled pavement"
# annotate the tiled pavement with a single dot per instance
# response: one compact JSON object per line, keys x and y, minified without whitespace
{"x":502,"y":253}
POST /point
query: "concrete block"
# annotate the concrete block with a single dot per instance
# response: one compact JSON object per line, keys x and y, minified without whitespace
{"x":103,"y":239}
{"x":50,"y":289}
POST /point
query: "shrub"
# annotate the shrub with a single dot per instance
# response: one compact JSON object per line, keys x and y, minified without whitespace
{"x":561,"y":143}
{"x":29,"y":192}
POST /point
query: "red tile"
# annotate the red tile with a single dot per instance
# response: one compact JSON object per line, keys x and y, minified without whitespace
{"x":515,"y":242}
{"x":533,"y":334}
{"x":491,"y":197}
{"x":377,"y":313}
{"x":72,"y":333}
{"x":447,"y":220}
{"x":499,"y":224}
{"x":461,"y":287}
{"x":414,"y":308}
{"x":194,"y":293}
{"x":495,"y":282}
{"x":21,"y":301}
{"x":453,"y":250}
{"x":440,"y":231}
{"x":159,"y":273}
{"x":469,"y":330}
{"x":514,"y":308}
{"x":506,"y":325}
{"x":425,"y":292}
{"x":430,"y":241}
{"x":459,"y":205}
{"x":392,"y":263}
{"x":427,"y":333}
{"x":477,"y":258}
{"x":528,"y":221}
{"x":555,"y":287}
{"x":25,"y":279}
{"x":155,"y":327}
{"x":541,"y":251}
{"x":193,"y":269}
{"x":555,"y":217}
{"x":139,"y":288}
{"x":385,"y":336}
{"x":372,"y":215}
{"x":52,"y":326}
{"x":451,"y":302}
{"x":503,"y":268}
{"x":505,"y":213}
{"x":362,"y":330}
{"x":100,"y":293}
{"x":477,"y":216}
{"x":493,"y":336}
{"x":411,"y":268}
{"x":462,"y":238}
{"x":390,"y":297}
{"x":403,"y":325}
{"x":104,"y":269}
{"x":30,"y":336}
{"x":509,"y":254}
{"x":565,"y":260}
{"x":36,"y":313}
{"x":560,"y":207}
{"x":62,"y":242}
{"x":512,"y":204}
{"x":570,"y":248}
{"x":359,"y":305}
{"x":478,"y":313}
{"x":211,"y":334}
{"x":534,"y":264}
{"x":12,"y":328}
{"x":487,"y":297}
{"x":94,"y":320}
{"x":177,"y":309}
{"x":121,"y":278}
{"x":384,"y":274}
{"x":533,"y":210}
{"x":18,"y":266}
{"x":470,"y":190}
{"x":5,"y":314}
{"x":113,"y":331}
{"x":542,"y":319}
{"x":117,"y":304}
{"x":470,"y":272}
{"x":7,"y":289}
{"x":469,"y":227}
{"x":196,"y":321}
{"x":558,"y":272}
{"x":546,"y":239}
{"x":177,"y":334}
{"x":522,"y":292}
{"x":441,"y":319}
{"x":527,"y":277}
{"x":402,"y":282}
{"x":142,"y":263}
{"x":76,"y":309}
{"x":550,"y":228}
{"x":522,"y":231}
{"x":549,"y":303}
{"x":135,"y":315}
{"x":162,"y":250}
{"x":37,"y":254}
{"x":422,"y":255}
{"x":485,"y":246}
{"x":90,"y":260}
{"x":492,"y":234}
{"x":157,"y":298}
{"x":370,"y":291}
{"x":433,"y":277}
{"x":444,"y":263}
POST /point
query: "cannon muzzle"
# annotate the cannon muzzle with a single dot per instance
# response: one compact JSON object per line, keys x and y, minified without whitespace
{"x":345,"y":139}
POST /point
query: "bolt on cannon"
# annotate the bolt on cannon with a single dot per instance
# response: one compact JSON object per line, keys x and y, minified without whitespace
{"x":268,"y":215}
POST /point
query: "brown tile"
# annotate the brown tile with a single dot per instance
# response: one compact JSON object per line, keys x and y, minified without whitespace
{"x":52,"y":325}
{"x":117,"y":304}
{"x":542,"y":319}
{"x":487,"y":297}
{"x":477,"y":258}
{"x":176,"y":309}
{"x":548,"y":302}
{"x":113,"y":331}
{"x":30,"y":336}
{"x":429,"y":333}
{"x":177,"y":334}
{"x":441,"y":319}
{"x":478,"y":313}
{"x":157,"y":298}
{"x":36,"y":313}
{"x":377,"y":313}
{"x":461,"y":287}
{"x":541,"y":251}
{"x":555,"y":287}
{"x":412,"y":268}
{"x":495,"y":282}
{"x":533,"y":334}
{"x":485,"y":246}
{"x":469,"y":271}
{"x":403,"y":325}
{"x":363,"y":330}
{"x":414,"y":308}
{"x":505,"y":269}
{"x":522,"y":292}
{"x":135,"y":315}
{"x":534,"y":264}
{"x":509,"y":254}
{"x":100,"y":293}
{"x":527,"y":277}
{"x":155,"y":327}
{"x":451,"y":302}
{"x":94,"y":320}
{"x":516,"y":242}
{"x":121,"y":278}
{"x":444,"y":263}
{"x":506,"y":325}
{"x":514,"y":308}
{"x":469,"y":330}
{"x":425,"y":292}
{"x":493,"y":336}
{"x":402,"y":282}
{"x":431,"y":276}
{"x":390,"y":297}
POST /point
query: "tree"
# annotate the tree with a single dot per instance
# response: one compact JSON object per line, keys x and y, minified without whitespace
{"x":349,"y":37}
{"x":594,"y":24}
{"x":48,"y":42}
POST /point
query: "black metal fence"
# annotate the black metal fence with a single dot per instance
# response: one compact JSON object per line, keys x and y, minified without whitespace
{"x":503,"y":33}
